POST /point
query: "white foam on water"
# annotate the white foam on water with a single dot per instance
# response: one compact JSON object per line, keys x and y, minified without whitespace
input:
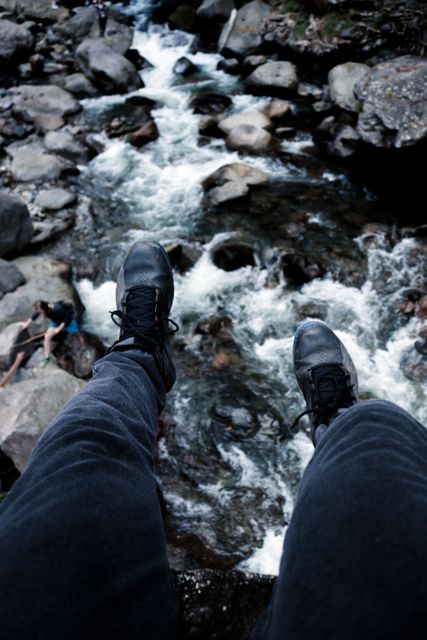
{"x":266,"y":559}
{"x":98,"y":302}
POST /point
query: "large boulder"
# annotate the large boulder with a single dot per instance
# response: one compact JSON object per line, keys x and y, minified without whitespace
{"x":280,"y":75}
{"x":46,"y":279}
{"x":32,"y":101}
{"x":84,"y":24}
{"x":63,"y":143}
{"x":342,"y":80}
{"x":394,"y":99}
{"x":236,"y":172}
{"x":55,"y":199}
{"x":16,"y":227}
{"x":227,"y":192}
{"x":108,"y":70}
{"x":254,"y":118}
{"x":8,"y":337}
{"x":240,"y":35}
{"x":35,"y":9}
{"x":29,"y":406}
{"x":212,"y":9}
{"x":252,"y":139}
{"x":10,"y":277}
{"x":15,"y":42}
{"x":31,"y":162}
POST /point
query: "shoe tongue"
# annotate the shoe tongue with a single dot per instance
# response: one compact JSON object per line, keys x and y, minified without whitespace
{"x":330,"y":381}
{"x":140,"y":308}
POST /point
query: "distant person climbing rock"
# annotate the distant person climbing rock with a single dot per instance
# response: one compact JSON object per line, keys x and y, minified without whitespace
{"x":82,"y":542}
{"x":102,"y":16}
{"x":61,"y":318}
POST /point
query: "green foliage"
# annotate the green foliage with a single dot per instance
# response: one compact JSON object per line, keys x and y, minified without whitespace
{"x":3,"y":494}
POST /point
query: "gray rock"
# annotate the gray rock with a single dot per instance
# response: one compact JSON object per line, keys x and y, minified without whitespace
{"x":229,"y":65}
{"x":55,"y":199}
{"x":342,"y":79}
{"x":252,"y":62}
{"x":276,"y":109}
{"x":245,"y":137}
{"x":8,"y":338}
{"x":145,"y":134}
{"x":240,"y":36}
{"x":62,"y":142}
{"x":45,"y":231}
{"x":215,"y":8}
{"x":48,"y":122}
{"x":236,"y":171}
{"x":31,"y":162}
{"x":230,"y":256}
{"x":31,"y":101}
{"x":16,"y":227}
{"x":28,"y":407}
{"x":40,"y":10}
{"x":80,"y":86}
{"x":106,"y":69}
{"x":253,"y":118}
{"x":274,"y":75}
{"x":232,"y":190}
{"x":394,"y":98}
{"x":15,"y":41}
{"x":45,"y":279}
{"x":10,"y":277}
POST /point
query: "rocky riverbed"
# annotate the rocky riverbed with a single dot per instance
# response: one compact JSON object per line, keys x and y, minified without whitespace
{"x":277,"y":151}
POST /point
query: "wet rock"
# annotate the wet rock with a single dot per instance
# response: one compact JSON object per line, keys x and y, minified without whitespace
{"x":31,"y":101}
{"x":313,"y":310}
{"x":252,"y":62}
{"x":28,"y":407}
{"x":276,"y":109}
{"x":184,"y":18}
{"x":184,"y":67}
{"x":215,"y":9}
{"x":77,"y":358}
{"x":233,"y":255}
{"x":298,"y":269}
{"x":253,"y":118}
{"x":108,"y":70}
{"x":145,"y":134}
{"x":182,"y":256}
{"x":16,"y":227}
{"x":138,"y":61}
{"x":237,"y":172}
{"x":251,"y":139}
{"x":45,"y":279}
{"x":15,"y":42}
{"x":84,"y":24}
{"x":420,"y":346}
{"x":208,"y":126}
{"x":422,"y":308}
{"x":210,"y":104}
{"x":63,"y":143}
{"x":124,"y":118}
{"x":31,"y":162}
{"x":394,"y":98}
{"x":10,"y":277}
{"x":240,"y":35}
{"x":229,"y":65}
{"x":80,"y":86}
{"x":279,"y":75}
{"x":227,"y":192}
{"x":45,"y":231}
{"x":342,"y":80}
{"x":55,"y":199}
{"x":285,"y":133}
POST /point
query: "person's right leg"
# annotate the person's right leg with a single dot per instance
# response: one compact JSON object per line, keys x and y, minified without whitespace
{"x":354,"y":562}
{"x":82,"y":546}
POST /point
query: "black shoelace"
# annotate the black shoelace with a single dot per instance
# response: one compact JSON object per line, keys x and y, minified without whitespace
{"x":142,"y":316}
{"x":332,"y":392}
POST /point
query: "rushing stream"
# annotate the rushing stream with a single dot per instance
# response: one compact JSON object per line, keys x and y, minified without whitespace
{"x":228,"y":480}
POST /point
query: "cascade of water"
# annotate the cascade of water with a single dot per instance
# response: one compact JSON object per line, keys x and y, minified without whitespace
{"x":160,"y":188}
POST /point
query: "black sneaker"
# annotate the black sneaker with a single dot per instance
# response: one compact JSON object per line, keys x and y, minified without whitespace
{"x":144,"y":297}
{"x":325,"y":373}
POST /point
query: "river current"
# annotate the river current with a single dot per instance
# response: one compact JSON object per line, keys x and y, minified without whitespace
{"x":228,"y":480}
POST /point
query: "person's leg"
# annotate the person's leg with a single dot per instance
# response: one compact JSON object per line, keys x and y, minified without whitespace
{"x":49,"y":335}
{"x":82,"y":547}
{"x":354,"y":561}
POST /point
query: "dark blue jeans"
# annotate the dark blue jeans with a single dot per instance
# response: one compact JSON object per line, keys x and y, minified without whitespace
{"x":82,"y":548}
{"x":354,"y":562}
